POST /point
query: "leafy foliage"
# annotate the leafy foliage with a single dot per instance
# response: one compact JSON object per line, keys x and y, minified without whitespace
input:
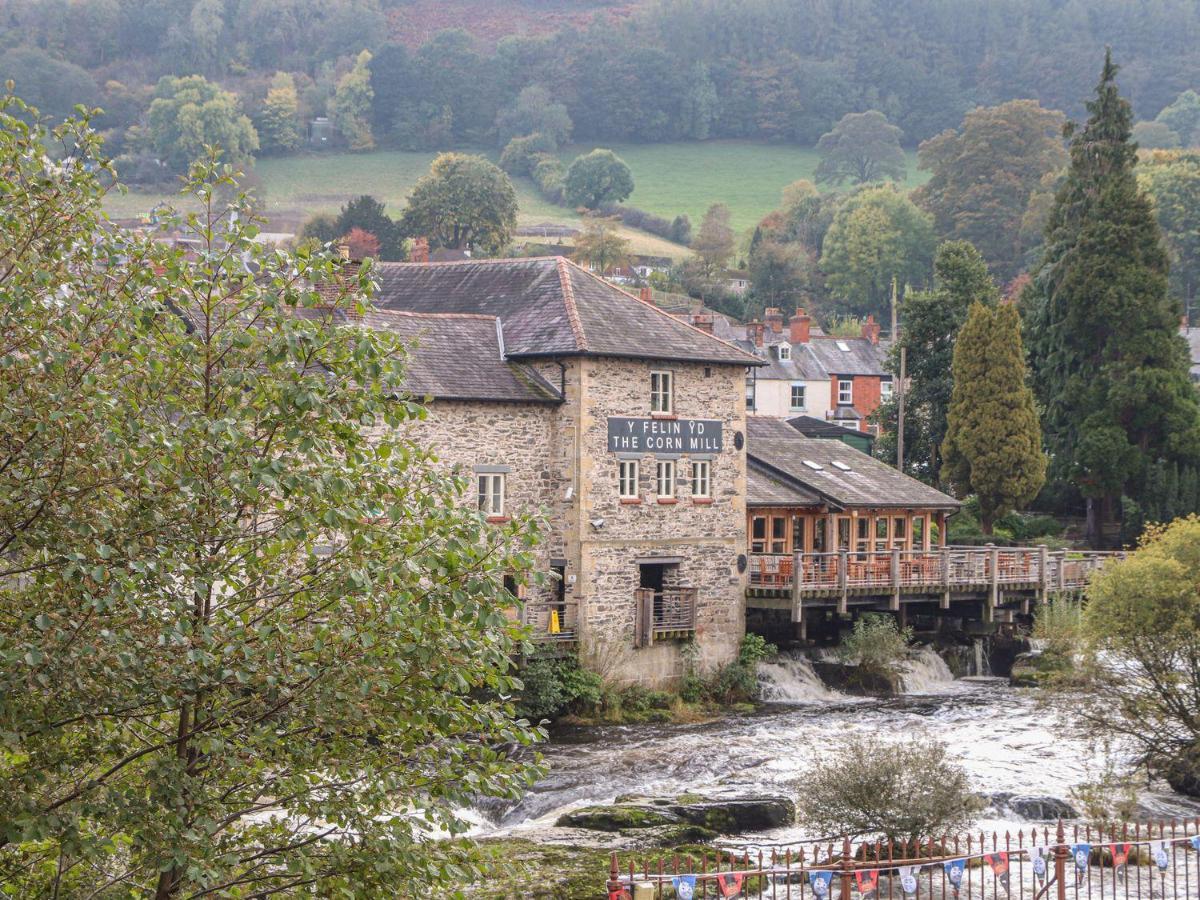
{"x":993,"y":445}
{"x":713,"y":244}
{"x":278,"y":122}
{"x":1182,"y":116}
{"x":1110,"y":368}
{"x":601,"y":245}
{"x":250,"y":633}
{"x":597,"y":177}
{"x":902,"y":791}
{"x":861,"y":147}
{"x":876,"y":642}
{"x":190,"y":114}
{"x":549,"y":687}
{"x":1172,"y":180}
{"x":464,"y":201}
{"x":350,"y":107}
{"x":535,"y":111}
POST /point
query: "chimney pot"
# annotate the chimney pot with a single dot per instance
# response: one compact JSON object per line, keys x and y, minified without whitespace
{"x":774,"y":319}
{"x":420,"y":250}
{"x":646,"y":294}
{"x":870,"y":329}
{"x":800,"y":326}
{"x":754,"y":331}
{"x":703,"y":321}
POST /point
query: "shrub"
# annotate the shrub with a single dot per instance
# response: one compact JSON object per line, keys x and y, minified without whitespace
{"x":876,"y":643}
{"x":550,"y":177}
{"x":521,"y":154}
{"x":901,"y":791}
{"x":551,"y":686}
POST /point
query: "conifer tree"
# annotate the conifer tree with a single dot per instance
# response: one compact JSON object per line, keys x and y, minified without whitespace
{"x":1111,"y":369}
{"x":993,"y":444}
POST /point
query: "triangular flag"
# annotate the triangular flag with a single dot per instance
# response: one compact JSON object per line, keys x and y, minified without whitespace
{"x":954,"y":873}
{"x":685,"y":886}
{"x":1196,"y":842}
{"x":1038,"y":855}
{"x":998,"y":862}
{"x":1082,"y":854}
{"x":1120,"y":857}
{"x":868,"y":882}
{"x":1162,"y":858}
{"x":908,"y":879}
{"x":820,"y":881}
{"x":730,"y":883}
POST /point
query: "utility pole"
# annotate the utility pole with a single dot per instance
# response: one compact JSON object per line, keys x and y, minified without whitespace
{"x":900,"y":380}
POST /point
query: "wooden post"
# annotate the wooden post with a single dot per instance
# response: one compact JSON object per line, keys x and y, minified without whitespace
{"x":1062,"y":571}
{"x":994,"y":576}
{"x":1043,"y":574}
{"x":797,"y":597}
{"x":895,"y":579}
{"x":945,"y":563}
{"x":843,"y":579}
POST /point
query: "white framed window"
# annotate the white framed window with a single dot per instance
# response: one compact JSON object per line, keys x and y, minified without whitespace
{"x":785,"y":352}
{"x":666,"y":478}
{"x":491,"y":493}
{"x":885,"y":389}
{"x":799,"y":398}
{"x":701,"y":478}
{"x":845,"y":392}
{"x":660,"y":392}
{"x":627,"y":479}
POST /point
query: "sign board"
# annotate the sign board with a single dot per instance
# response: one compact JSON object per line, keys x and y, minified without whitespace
{"x":664,"y":435}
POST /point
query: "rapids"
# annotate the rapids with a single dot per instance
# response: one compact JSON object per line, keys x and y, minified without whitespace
{"x":1010,"y":746}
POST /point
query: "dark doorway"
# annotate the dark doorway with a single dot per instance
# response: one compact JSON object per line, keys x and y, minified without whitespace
{"x":652,"y":576}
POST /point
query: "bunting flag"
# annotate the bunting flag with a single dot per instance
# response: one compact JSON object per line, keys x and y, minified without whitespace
{"x":868,"y":883}
{"x":1162,"y":858}
{"x":1195,"y":842}
{"x":685,"y":886}
{"x":1082,"y":854}
{"x":730,"y":883}
{"x":820,"y":881}
{"x":954,"y":873}
{"x":1038,"y":855}
{"x":908,"y":880}
{"x":1120,"y":857}
{"x":622,"y":894}
{"x":998,"y":862}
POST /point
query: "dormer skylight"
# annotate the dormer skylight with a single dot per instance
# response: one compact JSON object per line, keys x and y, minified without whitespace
{"x":843,"y":346}
{"x":838,"y":464}
{"x":814,"y":466}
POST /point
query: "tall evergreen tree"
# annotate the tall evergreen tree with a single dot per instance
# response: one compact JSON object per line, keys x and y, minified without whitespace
{"x":1112,"y":371}
{"x":993,"y":444}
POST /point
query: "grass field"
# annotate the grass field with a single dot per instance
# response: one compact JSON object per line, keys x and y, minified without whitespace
{"x":670,"y":179}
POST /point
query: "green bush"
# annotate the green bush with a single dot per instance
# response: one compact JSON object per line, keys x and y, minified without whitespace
{"x":521,"y":154}
{"x":876,"y":643}
{"x":552,"y":686}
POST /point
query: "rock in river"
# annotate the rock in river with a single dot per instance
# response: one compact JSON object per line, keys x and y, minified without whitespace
{"x":735,"y":815}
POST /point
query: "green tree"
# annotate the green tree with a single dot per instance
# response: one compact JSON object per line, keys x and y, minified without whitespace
{"x":189,"y":114}
{"x":1183,"y":118}
{"x":1110,"y":367}
{"x":535,"y":111}
{"x":242,"y":636}
{"x":993,"y":445}
{"x":279,"y":120}
{"x":713,"y":244}
{"x":52,"y":85}
{"x":1134,"y":681}
{"x":984,"y":174}
{"x":366,"y":214}
{"x":700,"y":104}
{"x":861,"y":147}
{"x":929,"y":325}
{"x":1154,"y":136}
{"x":598,"y":177}
{"x":780,"y":272}
{"x":600,"y":244}
{"x":1173,"y":182}
{"x":350,"y":108}
{"x":464,"y":202}
{"x":877,"y":235}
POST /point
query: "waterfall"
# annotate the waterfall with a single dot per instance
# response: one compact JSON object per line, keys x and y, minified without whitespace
{"x":983,"y":662}
{"x":925,"y":672}
{"x":791,"y":679}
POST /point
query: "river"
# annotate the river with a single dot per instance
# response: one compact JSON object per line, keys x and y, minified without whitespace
{"x":1005,"y":739}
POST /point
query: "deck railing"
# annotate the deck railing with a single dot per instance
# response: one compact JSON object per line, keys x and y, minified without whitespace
{"x":660,"y":615}
{"x":945,"y":568}
{"x":554,"y":622}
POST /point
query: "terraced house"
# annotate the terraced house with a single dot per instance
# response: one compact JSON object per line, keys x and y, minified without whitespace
{"x":559,"y":393}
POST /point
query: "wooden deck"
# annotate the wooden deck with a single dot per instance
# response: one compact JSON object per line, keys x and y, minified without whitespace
{"x":851,"y":578}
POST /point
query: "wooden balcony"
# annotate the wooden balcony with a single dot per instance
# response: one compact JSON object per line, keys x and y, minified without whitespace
{"x":553,"y":626}
{"x":663,"y":615}
{"x":971,"y":571}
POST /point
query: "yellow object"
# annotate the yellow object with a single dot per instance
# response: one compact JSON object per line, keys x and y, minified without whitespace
{"x":554,"y":628}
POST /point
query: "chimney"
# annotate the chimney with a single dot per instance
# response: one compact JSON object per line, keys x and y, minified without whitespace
{"x":774,"y":319}
{"x":754,"y":332}
{"x":870,"y":329}
{"x":646,"y":294}
{"x":420,"y":250}
{"x":801,"y":326}
{"x":703,"y":321}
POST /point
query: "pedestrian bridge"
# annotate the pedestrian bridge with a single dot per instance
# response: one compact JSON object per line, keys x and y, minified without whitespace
{"x":801,"y":581}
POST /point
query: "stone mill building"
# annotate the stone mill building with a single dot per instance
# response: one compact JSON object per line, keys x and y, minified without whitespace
{"x":559,"y":393}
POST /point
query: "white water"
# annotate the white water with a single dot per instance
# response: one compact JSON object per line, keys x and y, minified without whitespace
{"x":1003,"y":738}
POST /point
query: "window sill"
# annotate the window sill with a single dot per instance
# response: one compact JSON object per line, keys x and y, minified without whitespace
{"x":702,"y":501}
{"x":631,"y":501}
{"x":668,"y":501}
{"x":669,"y":417}
{"x":498,"y":520}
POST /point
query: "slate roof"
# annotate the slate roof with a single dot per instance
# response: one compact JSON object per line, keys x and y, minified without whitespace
{"x":811,"y":426}
{"x":765,"y":489}
{"x":821,"y":358}
{"x":460,"y":356}
{"x":776,"y":447}
{"x":551,"y":307}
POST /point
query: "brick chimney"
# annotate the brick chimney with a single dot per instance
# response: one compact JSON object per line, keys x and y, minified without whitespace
{"x":420,"y":251}
{"x":801,"y":326}
{"x":870,"y":330}
{"x":774,"y":319}
{"x":754,"y":332}
{"x":646,"y":294}
{"x":703,"y":321}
